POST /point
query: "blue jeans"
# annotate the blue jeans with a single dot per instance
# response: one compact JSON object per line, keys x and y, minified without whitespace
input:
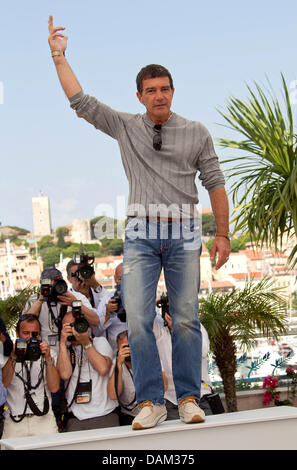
{"x":176,"y":247}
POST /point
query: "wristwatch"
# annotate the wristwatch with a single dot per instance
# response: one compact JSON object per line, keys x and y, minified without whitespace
{"x":88,"y":346}
{"x":50,"y":363}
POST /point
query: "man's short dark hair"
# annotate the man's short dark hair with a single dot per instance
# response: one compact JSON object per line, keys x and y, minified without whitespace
{"x":152,"y":71}
{"x":30,"y":318}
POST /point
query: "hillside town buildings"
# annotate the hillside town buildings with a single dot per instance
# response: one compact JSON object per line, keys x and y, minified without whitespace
{"x":21,"y":265}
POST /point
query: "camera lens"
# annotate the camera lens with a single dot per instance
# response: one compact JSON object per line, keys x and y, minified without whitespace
{"x":60,"y":287}
{"x":81,"y":325}
{"x":86,"y":271}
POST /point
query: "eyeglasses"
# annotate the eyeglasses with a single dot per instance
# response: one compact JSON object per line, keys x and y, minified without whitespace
{"x":157,"y":140}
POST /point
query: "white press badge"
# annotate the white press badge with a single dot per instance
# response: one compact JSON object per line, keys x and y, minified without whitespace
{"x":53,"y":340}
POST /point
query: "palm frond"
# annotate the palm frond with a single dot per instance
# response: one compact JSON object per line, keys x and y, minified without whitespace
{"x":264,"y":177}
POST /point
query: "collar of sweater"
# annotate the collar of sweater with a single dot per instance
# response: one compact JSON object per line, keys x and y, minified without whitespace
{"x":168,"y":123}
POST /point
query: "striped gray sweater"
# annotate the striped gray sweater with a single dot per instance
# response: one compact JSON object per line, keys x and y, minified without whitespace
{"x":159,"y":181}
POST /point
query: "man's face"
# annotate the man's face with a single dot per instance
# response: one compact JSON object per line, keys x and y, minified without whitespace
{"x":27,"y":328}
{"x":73,"y":280}
{"x":67,"y":319}
{"x":118,"y":274}
{"x":157,"y":96}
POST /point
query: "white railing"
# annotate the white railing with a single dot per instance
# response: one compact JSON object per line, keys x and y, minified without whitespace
{"x":270,"y":428}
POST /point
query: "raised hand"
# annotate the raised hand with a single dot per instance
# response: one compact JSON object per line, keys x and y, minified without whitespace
{"x":56,"y":40}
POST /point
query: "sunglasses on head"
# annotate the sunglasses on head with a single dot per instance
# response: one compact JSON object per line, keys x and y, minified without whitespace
{"x":157,"y":140}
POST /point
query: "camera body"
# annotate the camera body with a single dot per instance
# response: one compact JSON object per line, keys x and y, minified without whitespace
{"x":28,"y":350}
{"x":85,"y":262}
{"x":50,"y":291}
{"x":163,"y":303}
{"x":80,"y":324}
{"x":128,"y":358}
{"x":121,"y":312}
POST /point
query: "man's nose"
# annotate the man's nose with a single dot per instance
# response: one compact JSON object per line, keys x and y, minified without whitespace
{"x":159,"y":95}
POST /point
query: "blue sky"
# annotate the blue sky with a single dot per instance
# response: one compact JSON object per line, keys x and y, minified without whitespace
{"x":212,"y":51}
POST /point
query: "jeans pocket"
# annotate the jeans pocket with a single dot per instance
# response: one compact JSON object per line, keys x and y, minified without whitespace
{"x":191,"y":235}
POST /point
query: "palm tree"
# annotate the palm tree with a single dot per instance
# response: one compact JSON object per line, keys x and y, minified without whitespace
{"x":12,"y":307}
{"x":265,"y":184}
{"x":238,"y":318}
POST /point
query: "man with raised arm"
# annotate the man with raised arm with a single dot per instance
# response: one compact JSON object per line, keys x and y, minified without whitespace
{"x":161,"y":153}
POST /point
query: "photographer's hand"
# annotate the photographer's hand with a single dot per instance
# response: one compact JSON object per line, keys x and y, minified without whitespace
{"x":100,"y":363}
{"x":168,"y":319}
{"x":8,"y":369}
{"x":45,"y":351}
{"x":124,"y":352}
{"x":67,"y":298}
{"x":112,"y":306}
{"x":82,"y":338}
{"x":64,"y":366}
{"x":52,"y":374}
{"x":83,"y":289}
{"x":91,"y":282}
{"x":65,"y":332}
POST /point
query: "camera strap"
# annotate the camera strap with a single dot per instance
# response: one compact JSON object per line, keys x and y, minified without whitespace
{"x":28,"y":387}
{"x":57,"y":320}
{"x":116,"y":375}
{"x":91,"y":298}
{"x":73,"y":358}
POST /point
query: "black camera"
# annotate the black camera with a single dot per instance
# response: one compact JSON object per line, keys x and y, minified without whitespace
{"x":28,"y":350}
{"x":121,"y":312}
{"x":50,"y":291}
{"x":80,"y":324}
{"x":128,"y":358}
{"x":85,"y":262}
{"x":163,"y":303}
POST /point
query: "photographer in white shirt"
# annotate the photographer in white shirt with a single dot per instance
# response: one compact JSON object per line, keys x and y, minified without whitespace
{"x":85,"y":365}
{"x":29,"y":386}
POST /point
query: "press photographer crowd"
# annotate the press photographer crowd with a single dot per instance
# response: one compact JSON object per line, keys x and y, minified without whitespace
{"x":70,"y":367}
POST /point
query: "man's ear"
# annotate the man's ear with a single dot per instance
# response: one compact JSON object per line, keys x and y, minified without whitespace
{"x":139,"y":96}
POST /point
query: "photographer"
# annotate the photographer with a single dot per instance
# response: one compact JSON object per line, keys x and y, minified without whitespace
{"x":83,"y":279}
{"x":121,"y":384}
{"x":6,"y":346}
{"x":85,"y":365}
{"x":51,"y":309}
{"x":30,"y":377}
{"x":111,"y":312}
